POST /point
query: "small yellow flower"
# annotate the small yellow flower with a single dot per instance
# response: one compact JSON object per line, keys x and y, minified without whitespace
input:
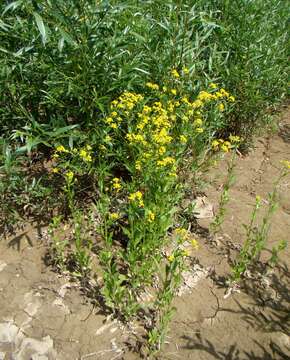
{"x":61,"y":148}
{"x":69,"y":175}
{"x":234,"y":139}
{"x":213,"y":86}
{"x":162,"y":150}
{"x":183,"y":233}
{"x":109,"y":120}
{"x":55,"y":170}
{"x":150,"y":216}
{"x":185,"y":253}
{"x":175,"y":73}
{"x":137,"y":197}
{"x":258,"y":198}
{"x":138,"y":165}
{"x":114,"y":114}
{"x":114,"y":216}
{"x":152,"y":86}
{"x":108,"y":138}
{"x":224,"y":93}
{"x":224,"y":147}
{"x":285,"y":163}
{"x":85,"y":155}
{"x":199,"y":130}
{"x":166,"y":161}
{"x":173,"y":91}
{"x":185,"y":70}
{"x":170,"y":258}
{"x":197,"y":122}
{"x":194,"y":244}
{"x":116,"y":184}
{"x":183,"y":139}
{"x":113,"y":126}
{"x":215,"y":144}
{"x":173,"y":174}
{"x":197,"y":104}
{"x":221,"y":107}
{"x":232,"y":99}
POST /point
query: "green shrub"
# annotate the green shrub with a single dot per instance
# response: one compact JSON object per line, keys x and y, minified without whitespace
{"x":65,"y":60}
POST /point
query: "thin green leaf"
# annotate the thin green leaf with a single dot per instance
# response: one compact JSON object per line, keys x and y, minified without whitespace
{"x":41,"y":27}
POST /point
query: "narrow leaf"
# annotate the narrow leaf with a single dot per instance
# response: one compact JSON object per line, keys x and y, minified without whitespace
{"x":41,"y":27}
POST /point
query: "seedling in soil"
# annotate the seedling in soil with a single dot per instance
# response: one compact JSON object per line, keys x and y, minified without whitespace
{"x":257,"y":236}
{"x":224,"y":198}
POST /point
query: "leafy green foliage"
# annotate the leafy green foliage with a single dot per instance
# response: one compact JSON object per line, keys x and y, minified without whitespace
{"x":68,"y":59}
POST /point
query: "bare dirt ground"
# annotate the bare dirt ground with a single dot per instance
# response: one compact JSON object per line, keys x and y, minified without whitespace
{"x":45,"y":316}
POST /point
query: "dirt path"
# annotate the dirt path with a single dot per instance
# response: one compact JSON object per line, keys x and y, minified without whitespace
{"x":45,"y":316}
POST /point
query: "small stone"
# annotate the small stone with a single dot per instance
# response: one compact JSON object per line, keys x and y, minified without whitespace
{"x":2,"y":266}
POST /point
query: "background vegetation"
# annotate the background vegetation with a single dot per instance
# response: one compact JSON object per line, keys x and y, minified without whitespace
{"x":63,"y":61}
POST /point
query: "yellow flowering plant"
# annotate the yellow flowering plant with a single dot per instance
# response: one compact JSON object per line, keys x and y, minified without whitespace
{"x":149,"y":135}
{"x":136,"y":152}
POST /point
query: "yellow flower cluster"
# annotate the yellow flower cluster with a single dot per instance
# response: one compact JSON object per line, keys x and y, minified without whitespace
{"x":152,"y":125}
{"x":194,"y":244}
{"x":69,"y":175}
{"x":286,"y":163}
{"x":126,"y":101}
{"x":152,"y":86}
{"x":234,"y":139}
{"x":108,"y":138}
{"x":138,"y":165}
{"x":85,"y":153}
{"x":166,"y":161}
{"x":116,"y":184}
{"x":150,"y":216}
{"x":182,"y":233}
{"x":183,"y":139}
{"x":175,"y":74}
{"x":136,"y":197}
{"x":136,"y":138}
{"x":185,"y":70}
{"x":122,"y":107}
{"x":220,"y":144}
{"x":170,"y":258}
{"x":114,"y":216}
{"x":162,"y":136}
{"x":61,"y":149}
{"x":225,"y":145}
